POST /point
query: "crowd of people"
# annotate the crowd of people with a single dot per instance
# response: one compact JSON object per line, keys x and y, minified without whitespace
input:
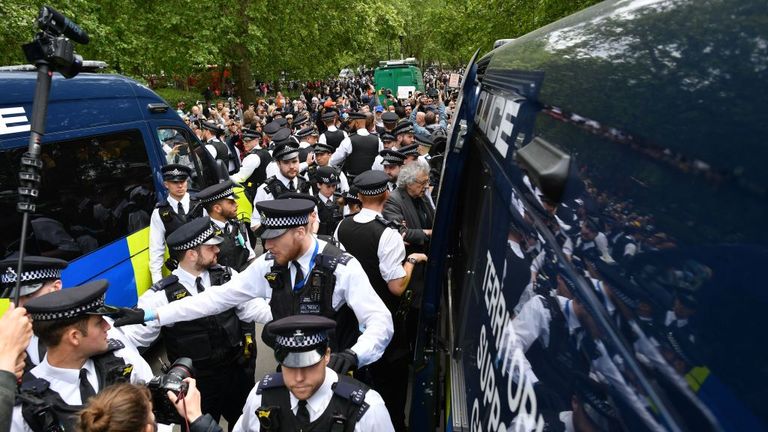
{"x":343,"y":183}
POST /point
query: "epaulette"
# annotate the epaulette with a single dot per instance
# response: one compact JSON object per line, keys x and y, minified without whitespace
{"x":164,"y":283}
{"x":34,"y":385}
{"x":270,"y":381}
{"x":386,"y":223}
{"x":162,"y":203}
{"x":353,"y":391}
{"x":345,"y":258}
{"x":114,"y":344}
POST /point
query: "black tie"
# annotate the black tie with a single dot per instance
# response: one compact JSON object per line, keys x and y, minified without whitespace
{"x":180,"y":210}
{"x":199,"y":284}
{"x":291,"y":187}
{"x":86,"y":390}
{"x":299,"y":280}
{"x":302,"y":414}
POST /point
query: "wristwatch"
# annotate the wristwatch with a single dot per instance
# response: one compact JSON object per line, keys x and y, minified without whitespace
{"x":412,"y":260}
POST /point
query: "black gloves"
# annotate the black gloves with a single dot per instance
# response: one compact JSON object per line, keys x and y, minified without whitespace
{"x":126,"y":316}
{"x":343,"y":362}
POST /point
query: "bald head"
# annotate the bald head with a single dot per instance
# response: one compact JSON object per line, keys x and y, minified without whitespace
{"x":420,"y":118}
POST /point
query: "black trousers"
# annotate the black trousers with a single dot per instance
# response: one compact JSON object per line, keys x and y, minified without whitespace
{"x":390,"y":379}
{"x":224,"y":392}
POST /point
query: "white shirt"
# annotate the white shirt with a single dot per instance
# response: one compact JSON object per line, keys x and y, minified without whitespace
{"x":256,"y":310}
{"x":391,"y":249}
{"x":352,"y":288}
{"x":375,"y":419}
{"x":249,"y":164}
{"x":157,"y":237}
{"x":324,"y":140}
{"x":240,"y":239}
{"x":345,"y":148}
{"x":66,"y":382}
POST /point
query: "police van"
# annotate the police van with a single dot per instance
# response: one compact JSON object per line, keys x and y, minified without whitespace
{"x":599,"y":246}
{"x":106,"y":137}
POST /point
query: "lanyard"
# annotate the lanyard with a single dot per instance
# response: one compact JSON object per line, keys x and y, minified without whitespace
{"x":301,"y":284}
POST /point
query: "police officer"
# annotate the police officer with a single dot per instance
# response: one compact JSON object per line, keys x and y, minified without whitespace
{"x":323,"y":154}
{"x":81,"y":359}
{"x":170,"y":214}
{"x":304,"y":275}
{"x":286,"y":180}
{"x":218,"y":149}
{"x":404,"y":133}
{"x":40,"y":276}
{"x":411,"y":153}
{"x":220,"y":202}
{"x":389,"y":120}
{"x":391,"y":162}
{"x":381,"y":251}
{"x":358,"y":151}
{"x":328,"y":210}
{"x":352,"y":203}
{"x":217,"y":343}
{"x":307,"y":394}
{"x":332,"y":136}
{"x":307,"y":139}
{"x":389,"y":143}
{"x":253,"y":169}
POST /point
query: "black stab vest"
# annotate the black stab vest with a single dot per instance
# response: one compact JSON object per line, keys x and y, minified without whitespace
{"x":364,"y":152}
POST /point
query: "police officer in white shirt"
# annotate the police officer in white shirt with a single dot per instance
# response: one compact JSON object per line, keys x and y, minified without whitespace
{"x":81,"y":358}
{"x":300,"y":274}
{"x":358,"y":151}
{"x":308,"y":395}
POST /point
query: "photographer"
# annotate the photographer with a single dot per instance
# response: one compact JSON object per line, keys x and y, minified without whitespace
{"x":128,"y":408}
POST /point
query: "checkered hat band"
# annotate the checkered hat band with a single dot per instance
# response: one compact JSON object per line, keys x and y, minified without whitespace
{"x":176,"y":172}
{"x":9,"y":276}
{"x":392,"y":159}
{"x":221,"y":195}
{"x":205,"y":235}
{"x":301,"y":341}
{"x":328,"y":179}
{"x":373,"y":192}
{"x":69,"y":313}
{"x":285,"y":221}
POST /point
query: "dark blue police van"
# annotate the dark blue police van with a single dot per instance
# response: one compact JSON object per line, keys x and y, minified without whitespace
{"x":101,"y":152}
{"x":599,"y":247}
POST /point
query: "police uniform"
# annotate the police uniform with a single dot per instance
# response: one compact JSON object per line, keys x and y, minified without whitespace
{"x":310,"y":173}
{"x":358,"y":151}
{"x":391,"y":157}
{"x":304,"y":148}
{"x":216,"y":344}
{"x":330,"y":280}
{"x":51,"y":394}
{"x":381,"y":251}
{"x":219,"y":150}
{"x":329,"y":212}
{"x":378,"y":162}
{"x":253,"y":169}
{"x":301,"y":341}
{"x":332,"y":136}
{"x":278,"y":184}
{"x":235,"y":250}
{"x":37,"y":271}
{"x":168,"y":215}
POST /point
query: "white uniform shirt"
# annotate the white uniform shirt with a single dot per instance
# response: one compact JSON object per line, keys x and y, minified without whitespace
{"x":352,"y":288}
{"x":323,"y":138}
{"x":345,"y":148}
{"x":375,"y":419}
{"x":391,"y":249}
{"x":66,"y":382}
{"x":242,"y":240}
{"x":248,"y":165}
{"x":157,"y":237}
{"x":256,"y":310}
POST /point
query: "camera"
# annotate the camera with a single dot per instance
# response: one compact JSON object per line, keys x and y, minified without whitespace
{"x":53,"y":44}
{"x":171,"y":380}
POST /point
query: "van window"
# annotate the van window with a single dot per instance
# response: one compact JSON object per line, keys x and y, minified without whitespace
{"x":179,"y":147}
{"x":94,"y":191}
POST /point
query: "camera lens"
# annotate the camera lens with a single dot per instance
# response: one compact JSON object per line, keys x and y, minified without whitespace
{"x":182,"y":368}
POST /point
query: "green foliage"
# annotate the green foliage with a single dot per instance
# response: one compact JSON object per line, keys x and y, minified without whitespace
{"x":258,"y":40}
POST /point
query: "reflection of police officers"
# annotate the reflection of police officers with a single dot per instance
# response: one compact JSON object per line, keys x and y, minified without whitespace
{"x":218,"y":149}
{"x":220,"y":202}
{"x":287,"y":179}
{"x":328,"y":211}
{"x":41,"y":275}
{"x":253,"y":169}
{"x":302,"y":275}
{"x":80,"y":361}
{"x":358,"y":151}
{"x":381,"y":251}
{"x":216,"y":344}
{"x":169,"y":214}
{"x":307,"y":395}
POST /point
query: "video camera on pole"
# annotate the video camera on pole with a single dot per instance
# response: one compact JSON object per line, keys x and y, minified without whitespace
{"x":51,"y":51}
